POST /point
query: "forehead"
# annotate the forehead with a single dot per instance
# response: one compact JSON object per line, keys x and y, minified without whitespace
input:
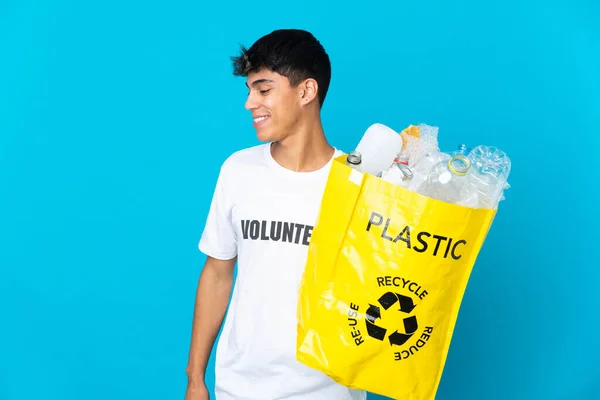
{"x":265,"y":76}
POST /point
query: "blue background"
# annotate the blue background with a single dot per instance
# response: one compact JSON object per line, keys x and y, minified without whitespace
{"x":114,"y":120}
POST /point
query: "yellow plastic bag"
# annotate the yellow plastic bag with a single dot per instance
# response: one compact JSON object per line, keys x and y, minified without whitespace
{"x":385,"y":276}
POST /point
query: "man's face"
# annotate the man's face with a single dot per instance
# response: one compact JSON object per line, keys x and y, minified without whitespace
{"x":275,"y":105}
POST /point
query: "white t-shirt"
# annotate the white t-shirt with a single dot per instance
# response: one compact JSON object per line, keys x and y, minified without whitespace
{"x":264,"y":214}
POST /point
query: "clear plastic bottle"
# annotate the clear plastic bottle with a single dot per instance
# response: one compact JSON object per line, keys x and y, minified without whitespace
{"x":424,"y":165}
{"x":489,"y":174}
{"x":449,"y":181}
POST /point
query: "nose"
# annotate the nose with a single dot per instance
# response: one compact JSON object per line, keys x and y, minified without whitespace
{"x":251,"y":102}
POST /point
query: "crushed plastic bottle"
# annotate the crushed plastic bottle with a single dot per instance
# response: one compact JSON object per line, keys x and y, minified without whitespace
{"x":489,"y":174}
{"x":449,"y":180}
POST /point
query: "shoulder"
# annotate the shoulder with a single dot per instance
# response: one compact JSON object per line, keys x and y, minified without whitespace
{"x":244,"y":159}
{"x":248,"y":155}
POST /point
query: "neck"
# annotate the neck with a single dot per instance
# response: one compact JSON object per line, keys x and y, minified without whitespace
{"x":305,"y":150}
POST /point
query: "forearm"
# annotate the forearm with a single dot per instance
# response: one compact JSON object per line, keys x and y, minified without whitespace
{"x":212,"y":297}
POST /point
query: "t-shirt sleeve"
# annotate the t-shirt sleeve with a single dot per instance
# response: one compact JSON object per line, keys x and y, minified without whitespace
{"x":218,"y":238}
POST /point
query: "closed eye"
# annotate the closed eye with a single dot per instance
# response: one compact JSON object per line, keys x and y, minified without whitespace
{"x":263,"y":92}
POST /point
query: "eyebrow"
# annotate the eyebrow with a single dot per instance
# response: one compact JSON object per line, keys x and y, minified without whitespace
{"x":259,"y":81}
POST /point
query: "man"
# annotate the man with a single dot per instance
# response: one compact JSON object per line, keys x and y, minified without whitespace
{"x":264,"y":207}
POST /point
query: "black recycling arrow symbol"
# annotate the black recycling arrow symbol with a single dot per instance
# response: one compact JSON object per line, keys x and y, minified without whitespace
{"x":410,"y":326}
{"x":398,"y":338}
{"x":373,"y":313}
{"x":406,"y":303}
{"x":388,"y":300}
{"x":375,"y":331}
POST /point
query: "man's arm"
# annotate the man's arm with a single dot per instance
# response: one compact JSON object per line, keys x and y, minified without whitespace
{"x":212,"y":298}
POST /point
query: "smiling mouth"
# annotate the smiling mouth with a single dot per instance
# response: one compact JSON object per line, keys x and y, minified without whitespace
{"x":260,"y":119}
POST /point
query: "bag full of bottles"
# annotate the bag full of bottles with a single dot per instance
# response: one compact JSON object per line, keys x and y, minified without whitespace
{"x":399,"y":230}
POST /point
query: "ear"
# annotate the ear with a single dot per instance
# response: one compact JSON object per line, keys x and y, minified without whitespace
{"x":308,"y":91}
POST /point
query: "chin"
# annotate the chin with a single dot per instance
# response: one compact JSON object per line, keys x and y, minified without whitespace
{"x":266,"y":136}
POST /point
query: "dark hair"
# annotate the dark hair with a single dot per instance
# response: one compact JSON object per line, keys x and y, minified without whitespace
{"x":293,"y":53}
